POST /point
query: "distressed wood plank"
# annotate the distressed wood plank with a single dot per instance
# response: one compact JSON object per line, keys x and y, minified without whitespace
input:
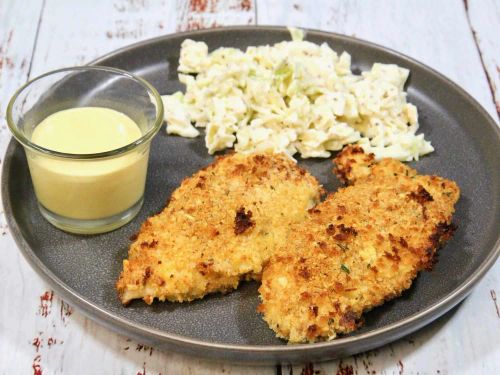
{"x":202,"y":14}
{"x":18,"y":30}
{"x":446,"y":44}
{"x":32,"y":325}
{"x":484,"y":19}
{"x":101,"y":28}
{"x":125,"y":22}
{"x":434,"y":32}
{"x":455,"y":344}
{"x":45,"y":333}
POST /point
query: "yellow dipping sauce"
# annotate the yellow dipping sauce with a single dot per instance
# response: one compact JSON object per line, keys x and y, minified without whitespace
{"x":88,"y":189}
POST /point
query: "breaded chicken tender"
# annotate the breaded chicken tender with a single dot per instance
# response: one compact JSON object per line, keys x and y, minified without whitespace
{"x":360,"y":247}
{"x":219,"y":227}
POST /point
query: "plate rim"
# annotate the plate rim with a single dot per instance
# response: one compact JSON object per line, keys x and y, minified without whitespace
{"x":386,"y":333}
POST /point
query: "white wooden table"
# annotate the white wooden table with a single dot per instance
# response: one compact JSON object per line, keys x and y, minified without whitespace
{"x":41,"y":334}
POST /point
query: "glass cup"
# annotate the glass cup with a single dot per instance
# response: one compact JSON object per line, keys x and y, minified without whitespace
{"x":87,"y":193}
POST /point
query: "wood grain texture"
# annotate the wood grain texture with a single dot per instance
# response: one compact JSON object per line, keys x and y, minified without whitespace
{"x":202,"y":14}
{"x":446,"y":44}
{"x":484,"y":18}
{"x":89,"y":29}
{"x":18,"y":29}
{"x":434,"y":32}
{"x":464,"y":341}
{"x":38,"y":331}
{"x":48,"y":336}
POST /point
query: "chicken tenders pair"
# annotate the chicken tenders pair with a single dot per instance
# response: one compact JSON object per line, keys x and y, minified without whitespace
{"x":250,"y":217}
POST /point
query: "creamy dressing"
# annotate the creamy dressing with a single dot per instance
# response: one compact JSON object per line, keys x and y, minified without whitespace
{"x":86,"y":130}
{"x":88,"y":189}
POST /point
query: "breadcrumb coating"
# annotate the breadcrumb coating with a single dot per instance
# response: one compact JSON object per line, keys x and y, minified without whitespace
{"x":220,"y":226}
{"x":362,"y":246}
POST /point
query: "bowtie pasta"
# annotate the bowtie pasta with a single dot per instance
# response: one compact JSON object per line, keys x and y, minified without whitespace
{"x":293,"y":97}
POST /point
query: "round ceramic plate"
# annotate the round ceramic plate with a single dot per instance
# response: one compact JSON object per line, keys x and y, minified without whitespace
{"x":83,"y":270}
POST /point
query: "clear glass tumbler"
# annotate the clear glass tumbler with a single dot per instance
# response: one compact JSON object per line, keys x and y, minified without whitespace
{"x":87,"y":193}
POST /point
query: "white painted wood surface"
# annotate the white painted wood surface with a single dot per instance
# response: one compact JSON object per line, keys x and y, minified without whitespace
{"x":40,"y":334}
{"x":484,"y":20}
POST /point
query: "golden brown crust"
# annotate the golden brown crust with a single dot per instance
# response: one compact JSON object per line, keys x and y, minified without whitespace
{"x":219,"y":226}
{"x":352,"y":163}
{"x":360,"y":247}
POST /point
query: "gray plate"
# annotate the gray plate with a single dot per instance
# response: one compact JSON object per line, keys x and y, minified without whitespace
{"x":83,"y":270}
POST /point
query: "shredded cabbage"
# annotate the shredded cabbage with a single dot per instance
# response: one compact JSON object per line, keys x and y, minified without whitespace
{"x":293,"y":97}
